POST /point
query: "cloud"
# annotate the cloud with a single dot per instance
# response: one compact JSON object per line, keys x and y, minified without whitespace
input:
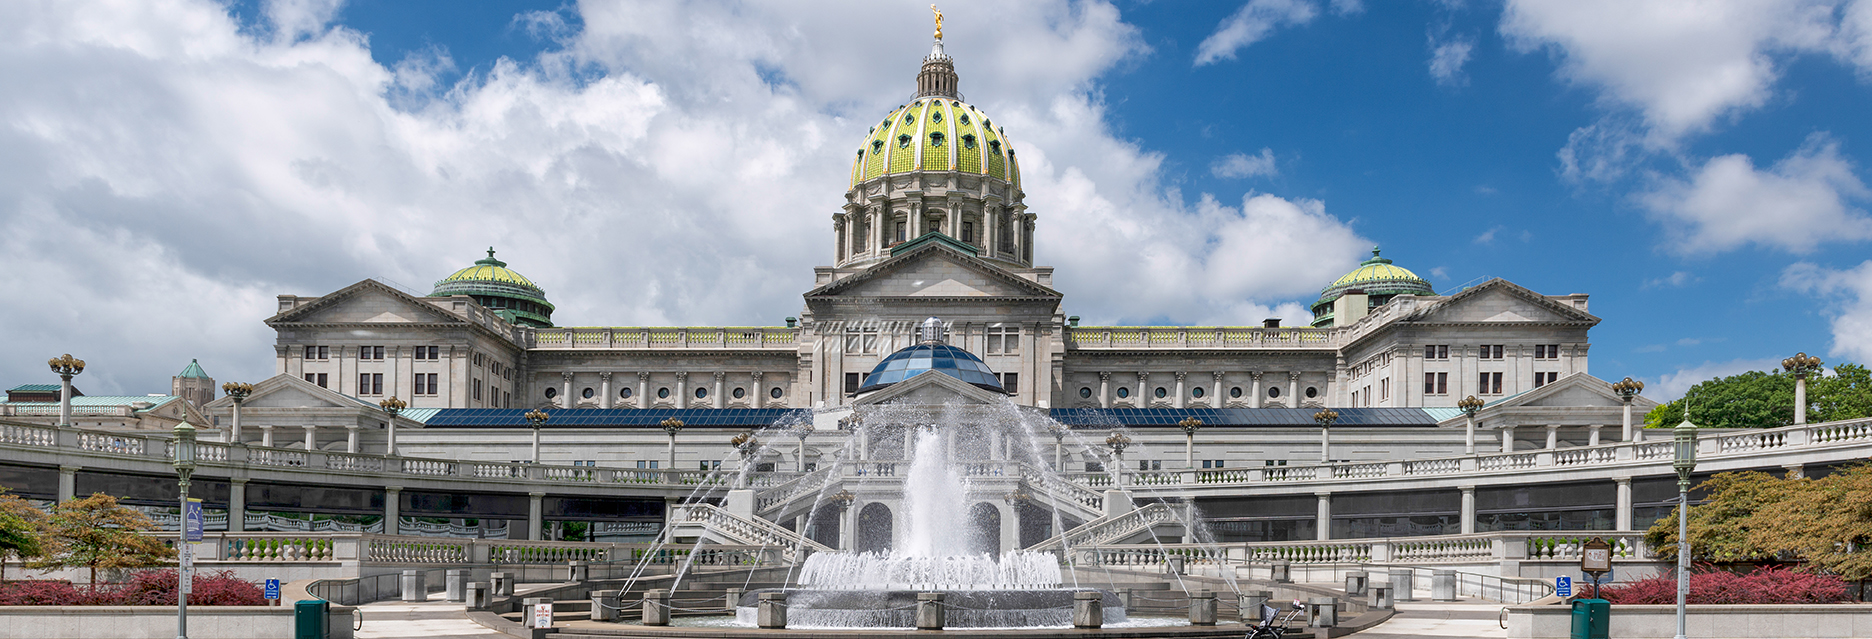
{"x":1851,"y":313}
{"x":1681,"y":64}
{"x":1488,"y":236}
{"x":1447,"y":60}
{"x":1671,"y":386}
{"x":169,"y":170}
{"x":1800,"y":202}
{"x":1253,"y":23}
{"x":1238,"y":165}
{"x":1674,"y":280}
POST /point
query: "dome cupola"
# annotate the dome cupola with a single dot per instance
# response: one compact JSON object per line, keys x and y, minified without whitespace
{"x":930,"y":354}
{"x":500,"y":289}
{"x":1377,"y":279}
{"x":935,"y":164}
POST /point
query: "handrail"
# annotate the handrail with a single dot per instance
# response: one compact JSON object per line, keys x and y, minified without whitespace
{"x":755,"y":531}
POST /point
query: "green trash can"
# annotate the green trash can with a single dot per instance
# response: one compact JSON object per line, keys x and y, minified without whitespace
{"x":1592,"y":619}
{"x":309,"y":619}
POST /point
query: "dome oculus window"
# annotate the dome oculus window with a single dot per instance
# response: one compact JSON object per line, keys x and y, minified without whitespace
{"x":740,"y":393}
{"x":1273,"y":391}
{"x":903,"y":141}
{"x":1160,"y":392}
{"x":774,"y":392}
{"x":1235,"y":392}
{"x":1312,"y":392}
{"x":968,"y":141}
{"x":625,"y":393}
{"x":1085,"y":391}
{"x":936,"y":139}
{"x":587,"y":393}
{"x":551,"y":393}
{"x":663,"y":393}
{"x":1196,"y":392}
{"x":1123,"y":392}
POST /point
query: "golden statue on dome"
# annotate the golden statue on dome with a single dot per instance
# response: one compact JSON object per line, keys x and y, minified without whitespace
{"x":939,"y":17}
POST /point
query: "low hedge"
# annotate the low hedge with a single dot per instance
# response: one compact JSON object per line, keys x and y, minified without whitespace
{"x":1770,"y":585}
{"x":145,"y":588}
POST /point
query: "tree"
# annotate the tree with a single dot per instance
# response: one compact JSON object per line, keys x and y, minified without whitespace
{"x":21,"y":524}
{"x":95,"y":532}
{"x":1750,"y":400}
{"x":1846,"y":394}
{"x":1753,"y":516}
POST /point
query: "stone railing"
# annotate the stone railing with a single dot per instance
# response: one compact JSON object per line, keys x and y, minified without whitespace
{"x":784,"y":493}
{"x":712,"y":337}
{"x":1184,"y":337}
{"x":756,"y":532}
{"x":1062,"y":491}
{"x":1106,"y":529}
{"x":1476,"y":547}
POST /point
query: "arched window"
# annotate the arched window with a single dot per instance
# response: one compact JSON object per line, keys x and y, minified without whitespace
{"x":903,"y":141}
{"x":936,"y":138}
{"x":968,"y":140}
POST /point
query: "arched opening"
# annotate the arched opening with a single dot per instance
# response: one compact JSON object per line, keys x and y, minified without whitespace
{"x":1036,"y":523}
{"x":824,"y":527}
{"x":874,"y":528}
{"x":984,"y":531}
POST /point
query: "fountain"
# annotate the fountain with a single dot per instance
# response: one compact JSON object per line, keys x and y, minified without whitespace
{"x":1017,"y":589}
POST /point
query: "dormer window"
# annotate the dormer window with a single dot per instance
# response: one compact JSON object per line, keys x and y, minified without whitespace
{"x":936,"y":139}
{"x":968,"y":140}
{"x":877,"y":145}
{"x":994,"y":145}
{"x":936,"y":116}
{"x":903,"y":141}
{"x":963,"y":119}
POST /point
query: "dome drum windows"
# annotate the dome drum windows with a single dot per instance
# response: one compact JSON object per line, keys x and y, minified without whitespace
{"x":1085,"y":392}
{"x":551,"y":392}
{"x":663,"y":393}
{"x":740,"y":393}
{"x":1196,"y":392}
{"x":625,"y":393}
{"x":587,"y":393}
{"x":1161,"y":392}
{"x":1273,"y":391}
{"x":903,"y":141}
{"x":1123,"y":392}
{"x":1235,"y":392}
{"x":936,"y":138}
{"x":701,"y":392}
{"x":775,"y":392}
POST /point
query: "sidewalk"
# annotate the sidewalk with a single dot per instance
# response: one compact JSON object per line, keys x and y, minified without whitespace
{"x":1466,"y":618}
{"x":433,"y":618}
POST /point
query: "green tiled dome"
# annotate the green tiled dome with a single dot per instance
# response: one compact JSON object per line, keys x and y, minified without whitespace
{"x":1378,"y":278}
{"x":508,"y":293}
{"x":936,"y":133}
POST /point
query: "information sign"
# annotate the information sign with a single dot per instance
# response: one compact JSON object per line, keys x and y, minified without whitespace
{"x":185,"y":578}
{"x":542,"y":615}
{"x":272,"y":589}
{"x":192,"y":518}
{"x":1563,"y":586}
{"x":1596,"y":556}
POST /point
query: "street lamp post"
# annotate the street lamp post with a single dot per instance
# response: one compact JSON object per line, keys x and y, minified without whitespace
{"x":1801,"y":365}
{"x":1189,"y":425}
{"x":536,"y":418}
{"x":672,"y":426}
{"x":1118,"y":442}
{"x":184,"y":462}
{"x":65,"y":367}
{"x":1058,"y":431}
{"x":391,"y":406}
{"x":1326,"y":418}
{"x":237,"y":391}
{"x":1684,"y":461}
{"x":747,"y":446}
{"x":1469,"y":406}
{"x":804,"y":430}
{"x":1627,"y":389}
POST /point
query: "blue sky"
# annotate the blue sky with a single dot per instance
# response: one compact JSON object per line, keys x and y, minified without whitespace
{"x":1698,"y":168}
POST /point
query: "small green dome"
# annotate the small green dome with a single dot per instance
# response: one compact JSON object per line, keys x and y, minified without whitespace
{"x":1376,"y":277}
{"x":503,"y":290}
{"x":936,"y":133}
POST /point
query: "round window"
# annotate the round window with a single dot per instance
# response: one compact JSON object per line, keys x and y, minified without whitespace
{"x":1235,"y":392}
{"x":1312,"y":392}
{"x":1160,"y":392}
{"x":740,"y":393}
{"x":552,"y":392}
{"x":1273,"y":391}
{"x":701,"y":392}
{"x":774,"y":392}
{"x":663,"y":393}
{"x":1123,"y":392}
{"x":588,"y":393}
{"x":1085,"y":391}
{"x":626,"y":393}
{"x":1196,"y":392}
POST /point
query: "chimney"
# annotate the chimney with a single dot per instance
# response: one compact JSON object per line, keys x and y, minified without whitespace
{"x":1351,"y":307}
{"x":1272,"y":322}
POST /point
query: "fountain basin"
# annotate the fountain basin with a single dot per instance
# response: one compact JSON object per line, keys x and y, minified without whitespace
{"x":972,"y":608}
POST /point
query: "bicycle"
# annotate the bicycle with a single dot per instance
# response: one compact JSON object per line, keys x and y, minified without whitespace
{"x":1272,"y":625}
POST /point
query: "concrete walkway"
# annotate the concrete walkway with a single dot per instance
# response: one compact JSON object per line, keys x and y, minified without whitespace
{"x":433,"y":618}
{"x":1466,"y":618}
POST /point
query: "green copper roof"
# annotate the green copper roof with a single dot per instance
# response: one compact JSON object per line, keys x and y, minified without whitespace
{"x":489,"y":270}
{"x":509,"y":294}
{"x":935,"y":134}
{"x":193,"y":371}
{"x":1377,"y":277}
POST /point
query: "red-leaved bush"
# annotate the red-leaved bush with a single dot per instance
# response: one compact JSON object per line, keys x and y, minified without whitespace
{"x":1771,"y":585}
{"x":145,"y":588}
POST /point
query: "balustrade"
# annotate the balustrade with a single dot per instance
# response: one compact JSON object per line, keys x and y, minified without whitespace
{"x":633,"y":337}
{"x":27,"y":435}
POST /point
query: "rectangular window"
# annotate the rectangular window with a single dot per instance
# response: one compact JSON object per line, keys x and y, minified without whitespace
{"x":1003,"y":339}
{"x":1436,"y":351}
{"x":1384,"y":388}
{"x":968,"y":232}
{"x":1010,"y":382}
{"x":477,"y":389}
{"x":1442,"y":383}
{"x":419,"y":352}
{"x":311,"y":352}
{"x":861,"y":340}
{"x":1540,"y":379}
{"x":1489,"y":383}
{"x":310,"y":377}
{"x":1206,"y":464}
{"x":1429,"y":383}
{"x":363,"y":383}
{"x":376,"y":383}
{"x":427,"y":352}
{"x":321,"y":381}
{"x":901,"y":228}
{"x":419,"y":385}
{"x":1540,"y":351}
{"x":851,"y":383}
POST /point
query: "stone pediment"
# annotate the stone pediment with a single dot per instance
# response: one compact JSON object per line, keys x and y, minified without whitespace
{"x":286,"y":391}
{"x":934,"y":270}
{"x":367,"y":302}
{"x":930,"y":389}
{"x":1499,"y":301}
{"x":1578,"y":390}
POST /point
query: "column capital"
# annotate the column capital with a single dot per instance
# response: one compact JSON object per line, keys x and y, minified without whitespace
{"x":567,"y":376}
{"x":1469,"y":489}
{"x":536,"y":495}
{"x":393,"y":489}
{"x":720,"y":375}
{"x":1218,"y":375}
{"x":1104,"y":376}
{"x":1179,"y":376}
{"x":1293,"y":376}
{"x":756,"y":375}
{"x":643,"y":376}
{"x":1256,"y":375}
{"x":237,"y":480}
{"x":1622,"y":481}
{"x":604,"y":376}
{"x":682,"y":376}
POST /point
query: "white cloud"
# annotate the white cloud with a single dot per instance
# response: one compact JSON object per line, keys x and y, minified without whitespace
{"x":1447,"y":60}
{"x":1239,"y":165}
{"x":1674,"y":280}
{"x":1671,"y":386}
{"x":1682,"y":64}
{"x":1851,"y":288}
{"x":1488,"y":236}
{"x":1855,"y":43}
{"x":1253,"y":23}
{"x":1800,"y":202}
{"x":168,"y":171}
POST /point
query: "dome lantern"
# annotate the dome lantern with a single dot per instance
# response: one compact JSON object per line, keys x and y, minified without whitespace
{"x":509,"y":294}
{"x":1378,"y":279}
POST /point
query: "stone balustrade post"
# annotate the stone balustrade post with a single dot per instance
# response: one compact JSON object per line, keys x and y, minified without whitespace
{"x":455,"y":584}
{"x":578,"y":571}
{"x":656,"y":610}
{"x":476,"y":596}
{"x":1202,"y":608}
{"x":772,"y":614}
{"x":414,"y":590}
{"x":1381,"y":551}
{"x":1402,"y":587}
{"x":1544,"y":458}
{"x":1249,"y":605}
{"x":930,"y":614}
{"x":1442,"y":585}
{"x":733,"y":600}
{"x":1088,"y":609}
{"x":1280,"y":571}
{"x":605,"y":605}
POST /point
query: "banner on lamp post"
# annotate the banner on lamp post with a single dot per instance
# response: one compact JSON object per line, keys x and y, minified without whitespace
{"x":192,"y":520}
